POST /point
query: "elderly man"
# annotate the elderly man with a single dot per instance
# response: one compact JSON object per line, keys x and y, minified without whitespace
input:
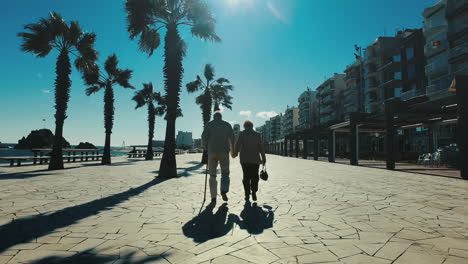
{"x":218,"y":139}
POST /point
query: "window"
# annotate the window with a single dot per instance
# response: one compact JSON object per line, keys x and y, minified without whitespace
{"x":397,"y":92}
{"x":411,"y":71}
{"x":409,"y":53}
{"x":397,"y":75}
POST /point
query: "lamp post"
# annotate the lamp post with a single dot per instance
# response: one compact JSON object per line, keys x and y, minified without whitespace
{"x":358,"y":56}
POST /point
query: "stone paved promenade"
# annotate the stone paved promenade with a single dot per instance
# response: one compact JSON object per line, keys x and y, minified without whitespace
{"x":309,"y":212}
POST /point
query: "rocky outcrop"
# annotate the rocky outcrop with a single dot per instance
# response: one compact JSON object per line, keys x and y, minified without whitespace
{"x":85,"y":145}
{"x":42,"y":138}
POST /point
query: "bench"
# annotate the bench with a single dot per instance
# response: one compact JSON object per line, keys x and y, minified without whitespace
{"x":43,"y":155}
{"x":142,"y":153}
{"x":42,"y":159}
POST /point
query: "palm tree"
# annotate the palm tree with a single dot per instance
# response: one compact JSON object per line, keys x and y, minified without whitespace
{"x":97,"y":81}
{"x":53,"y":33}
{"x":146,"y":96}
{"x":145,"y":19}
{"x":215,"y":92}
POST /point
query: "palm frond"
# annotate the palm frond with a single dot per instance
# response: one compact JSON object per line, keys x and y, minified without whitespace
{"x":149,"y":40}
{"x":86,"y":60}
{"x":92,"y":89}
{"x":139,"y":16}
{"x":142,"y":15}
{"x":74,"y":33}
{"x":91,"y":76}
{"x":193,"y":86}
{"x":209,"y":72}
{"x":203,"y":22}
{"x":111,"y":65}
{"x":38,"y":39}
{"x":222,"y":80}
{"x":57,"y":26}
{"x":139,"y":98}
{"x":123,"y":78}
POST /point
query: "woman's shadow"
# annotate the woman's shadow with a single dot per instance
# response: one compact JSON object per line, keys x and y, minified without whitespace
{"x":208,"y":225}
{"x":255,"y":219}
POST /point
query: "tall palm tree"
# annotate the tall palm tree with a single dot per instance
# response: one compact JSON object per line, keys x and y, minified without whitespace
{"x":53,"y":33}
{"x":146,"y":96}
{"x":215,"y":92}
{"x":97,"y":81}
{"x":145,"y":19}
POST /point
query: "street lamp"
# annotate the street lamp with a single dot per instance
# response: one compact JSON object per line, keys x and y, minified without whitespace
{"x":358,"y":56}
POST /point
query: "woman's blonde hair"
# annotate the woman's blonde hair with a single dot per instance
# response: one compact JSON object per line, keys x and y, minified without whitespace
{"x":248,"y":124}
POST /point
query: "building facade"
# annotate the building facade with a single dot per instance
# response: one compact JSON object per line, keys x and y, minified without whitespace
{"x":236,"y":129}
{"x":307,"y":109}
{"x":413,"y":63}
{"x":382,"y":73}
{"x":457,"y":35}
{"x":290,"y":121}
{"x":276,"y":123}
{"x":436,"y":50}
{"x":352,"y":89}
{"x":184,"y":139}
{"x":330,"y":97}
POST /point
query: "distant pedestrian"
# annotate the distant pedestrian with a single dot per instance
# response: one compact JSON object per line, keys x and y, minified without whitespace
{"x":252,"y":154}
{"x":218,"y":140}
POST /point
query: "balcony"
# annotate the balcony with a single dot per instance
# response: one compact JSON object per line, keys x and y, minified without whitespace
{"x":455,"y":6}
{"x":438,"y":85}
{"x":455,"y":27}
{"x":435,"y":46}
{"x":458,"y":51}
{"x":392,"y":80}
{"x":411,"y":94}
{"x":438,"y":66}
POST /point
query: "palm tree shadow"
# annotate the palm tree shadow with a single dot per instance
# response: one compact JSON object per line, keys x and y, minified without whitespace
{"x":207,"y":225}
{"x":255,"y":219}
{"x":25,"y":229}
{"x":91,"y":256}
{"x":187,"y":171}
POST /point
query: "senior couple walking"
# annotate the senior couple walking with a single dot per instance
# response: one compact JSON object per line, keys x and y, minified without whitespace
{"x":218,"y":139}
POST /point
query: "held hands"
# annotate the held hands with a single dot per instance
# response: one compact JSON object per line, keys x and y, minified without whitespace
{"x":233,"y":155}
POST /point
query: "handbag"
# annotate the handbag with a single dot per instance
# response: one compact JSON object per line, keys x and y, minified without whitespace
{"x":264,"y":173}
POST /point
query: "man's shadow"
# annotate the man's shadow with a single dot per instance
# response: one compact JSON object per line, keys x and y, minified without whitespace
{"x":255,"y":219}
{"x":208,"y":225}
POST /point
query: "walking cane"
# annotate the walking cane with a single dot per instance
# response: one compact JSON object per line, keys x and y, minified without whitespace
{"x":206,"y":179}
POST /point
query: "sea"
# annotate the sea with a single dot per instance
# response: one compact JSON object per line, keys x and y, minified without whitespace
{"x":11,"y":152}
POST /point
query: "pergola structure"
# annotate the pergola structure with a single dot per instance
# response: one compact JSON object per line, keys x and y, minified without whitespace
{"x":398,"y":114}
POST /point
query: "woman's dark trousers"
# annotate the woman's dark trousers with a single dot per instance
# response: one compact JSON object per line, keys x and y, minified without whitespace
{"x":250,"y":179}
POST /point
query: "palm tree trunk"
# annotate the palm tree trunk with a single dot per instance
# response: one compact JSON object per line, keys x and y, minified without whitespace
{"x":108,"y":122}
{"x":173,"y":71}
{"x":216,"y":106}
{"x":62,"y":95}
{"x":151,"y":121}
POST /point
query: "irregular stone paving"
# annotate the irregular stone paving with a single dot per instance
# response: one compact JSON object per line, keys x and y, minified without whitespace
{"x":308,"y":212}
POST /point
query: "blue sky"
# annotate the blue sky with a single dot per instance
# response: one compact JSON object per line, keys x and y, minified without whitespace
{"x":271,"y":51}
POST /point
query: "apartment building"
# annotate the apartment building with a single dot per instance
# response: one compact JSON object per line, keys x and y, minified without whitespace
{"x":353,"y":89}
{"x":330,"y":98}
{"x":184,"y":139}
{"x":436,"y":50}
{"x":382,"y":73}
{"x":307,"y":109}
{"x":276,"y":124}
{"x":290,"y":121}
{"x":456,"y":14}
{"x":413,"y":62}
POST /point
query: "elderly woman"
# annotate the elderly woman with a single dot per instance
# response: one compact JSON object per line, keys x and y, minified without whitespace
{"x":252,"y":154}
